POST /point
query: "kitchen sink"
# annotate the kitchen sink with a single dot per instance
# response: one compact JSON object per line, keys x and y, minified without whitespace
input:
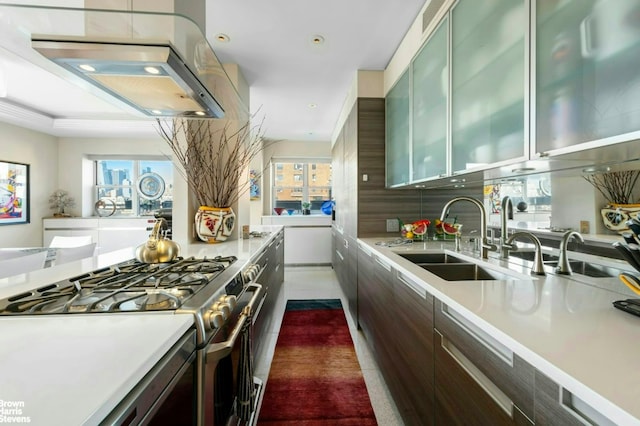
{"x":419,"y":258}
{"x":589,"y":269}
{"x":581,"y":267}
{"x":463,"y":272}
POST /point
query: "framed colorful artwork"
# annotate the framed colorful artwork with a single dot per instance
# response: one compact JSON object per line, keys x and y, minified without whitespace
{"x":254,"y":189}
{"x":14,"y":193}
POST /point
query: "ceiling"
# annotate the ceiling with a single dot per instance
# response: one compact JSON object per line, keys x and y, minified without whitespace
{"x":298,"y":86}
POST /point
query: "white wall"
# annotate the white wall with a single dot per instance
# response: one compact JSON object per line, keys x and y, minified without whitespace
{"x":40,"y":151}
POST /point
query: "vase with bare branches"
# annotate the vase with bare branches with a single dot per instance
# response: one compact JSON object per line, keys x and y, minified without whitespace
{"x":617,"y":187}
{"x":214,"y":159}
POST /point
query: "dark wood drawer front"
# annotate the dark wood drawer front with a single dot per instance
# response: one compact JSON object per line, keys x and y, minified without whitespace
{"x":510,"y":373}
{"x":460,"y":398}
{"x":555,"y":406}
{"x":413,"y":352}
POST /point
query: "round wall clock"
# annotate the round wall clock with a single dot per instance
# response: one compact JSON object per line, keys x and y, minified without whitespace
{"x":150,"y":186}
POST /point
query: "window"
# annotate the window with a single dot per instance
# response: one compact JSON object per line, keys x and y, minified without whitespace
{"x":298,"y":182}
{"x":137,"y":187}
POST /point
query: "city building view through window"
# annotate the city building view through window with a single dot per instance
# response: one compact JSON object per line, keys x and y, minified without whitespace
{"x":134,"y":187}
{"x":296,"y":183}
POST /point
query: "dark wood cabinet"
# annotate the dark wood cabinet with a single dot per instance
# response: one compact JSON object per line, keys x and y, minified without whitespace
{"x":271,"y":277}
{"x":412,"y":343}
{"x":478,"y":381}
{"x":557,"y":406}
{"x":464,"y":396}
{"x":358,"y":184}
{"x":397,"y":322}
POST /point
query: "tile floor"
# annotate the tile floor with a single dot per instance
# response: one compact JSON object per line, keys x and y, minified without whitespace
{"x":320,"y":282}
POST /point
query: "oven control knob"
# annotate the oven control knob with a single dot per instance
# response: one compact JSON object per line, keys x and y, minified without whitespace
{"x":230,"y":300}
{"x":215,"y":319}
{"x":222,"y":308}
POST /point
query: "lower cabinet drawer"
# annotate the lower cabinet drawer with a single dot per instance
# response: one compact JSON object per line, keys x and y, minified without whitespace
{"x":510,"y":375}
{"x":464,"y":396}
{"x":557,"y":406}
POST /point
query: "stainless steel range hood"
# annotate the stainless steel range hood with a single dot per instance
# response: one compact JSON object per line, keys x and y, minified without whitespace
{"x":152,"y":79}
{"x":158,"y":63}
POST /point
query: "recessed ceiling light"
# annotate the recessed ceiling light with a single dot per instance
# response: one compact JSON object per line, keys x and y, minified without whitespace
{"x":156,"y":112}
{"x":86,"y":67}
{"x":596,"y":169}
{"x":317,"y":39}
{"x":312,"y":105}
{"x":200,"y":113}
{"x":152,"y":70}
{"x":222,"y":38}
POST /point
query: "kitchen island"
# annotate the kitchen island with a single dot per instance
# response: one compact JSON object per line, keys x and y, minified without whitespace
{"x":73,"y":369}
{"x":564,"y":328}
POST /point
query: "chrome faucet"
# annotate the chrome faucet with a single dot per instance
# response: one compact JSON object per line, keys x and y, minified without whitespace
{"x":538,"y":266}
{"x":505,"y":214}
{"x":485,"y":246}
{"x":564,"y":268}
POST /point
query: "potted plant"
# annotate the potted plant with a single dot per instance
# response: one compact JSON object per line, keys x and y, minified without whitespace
{"x":306,"y":208}
{"x":60,"y":201}
{"x":617,"y":187}
{"x":214,"y":160}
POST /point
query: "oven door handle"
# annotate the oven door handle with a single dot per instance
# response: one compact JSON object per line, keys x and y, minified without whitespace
{"x":221,"y":349}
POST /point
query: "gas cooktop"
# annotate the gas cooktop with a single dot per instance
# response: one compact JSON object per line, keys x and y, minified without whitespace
{"x":129,"y":286}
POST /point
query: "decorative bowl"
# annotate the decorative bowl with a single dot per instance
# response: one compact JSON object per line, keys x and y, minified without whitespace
{"x":290,"y":211}
{"x":279,"y":210}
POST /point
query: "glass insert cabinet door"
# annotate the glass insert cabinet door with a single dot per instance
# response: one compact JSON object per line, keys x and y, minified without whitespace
{"x":488,"y":82}
{"x":397,"y":132}
{"x":587,"y":71}
{"x":430,"y":86}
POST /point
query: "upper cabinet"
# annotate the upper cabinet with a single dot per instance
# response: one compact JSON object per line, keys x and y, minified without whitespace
{"x":488,"y":82}
{"x":430,"y":88}
{"x":397,"y":132}
{"x":586,"y":65}
{"x":500,"y":82}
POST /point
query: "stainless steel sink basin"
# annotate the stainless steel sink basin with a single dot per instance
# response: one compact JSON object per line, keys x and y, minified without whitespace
{"x":463,"y":272}
{"x":420,"y":258}
{"x":590,"y":269}
{"x":581,"y":267}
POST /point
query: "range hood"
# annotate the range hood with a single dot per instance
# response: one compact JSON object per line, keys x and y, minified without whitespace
{"x":152,"y":79}
{"x":159,"y":64}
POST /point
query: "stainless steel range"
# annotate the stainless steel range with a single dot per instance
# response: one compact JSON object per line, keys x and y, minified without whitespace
{"x":206,"y":378}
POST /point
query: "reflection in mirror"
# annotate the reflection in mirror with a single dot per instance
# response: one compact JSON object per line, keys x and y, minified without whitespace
{"x":531,"y":197}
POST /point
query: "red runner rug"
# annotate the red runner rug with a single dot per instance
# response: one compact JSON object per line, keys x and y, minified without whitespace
{"x":315,"y":378}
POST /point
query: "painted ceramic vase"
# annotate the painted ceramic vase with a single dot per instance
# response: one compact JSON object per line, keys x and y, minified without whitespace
{"x":615,"y":216}
{"x":213,"y":224}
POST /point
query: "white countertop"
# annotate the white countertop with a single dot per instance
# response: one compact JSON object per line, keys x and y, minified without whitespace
{"x":74,"y":369}
{"x":567,"y":329}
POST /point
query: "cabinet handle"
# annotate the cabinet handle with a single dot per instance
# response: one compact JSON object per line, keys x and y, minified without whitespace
{"x":340,"y":255}
{"x":483,"y":381}
{"x":278,"y":245}
{"x":500,"y":350}
{"x":383,"y":264}
{"x":366,"y":251}
{"x":412,"y":285}
{"x":580,"y":409}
